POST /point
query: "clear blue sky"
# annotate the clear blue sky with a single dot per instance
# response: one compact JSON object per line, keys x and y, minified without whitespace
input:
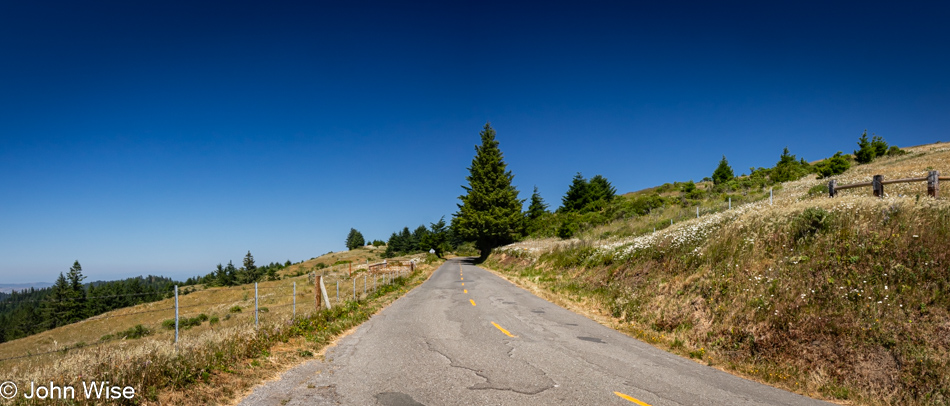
{"x":166,"y":137}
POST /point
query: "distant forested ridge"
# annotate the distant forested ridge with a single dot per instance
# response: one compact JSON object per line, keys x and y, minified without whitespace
{"x":31,"y":311}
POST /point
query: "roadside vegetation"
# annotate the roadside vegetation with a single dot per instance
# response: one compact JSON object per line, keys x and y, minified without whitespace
{"x":220,"y":353}
{"x":842,"y":299}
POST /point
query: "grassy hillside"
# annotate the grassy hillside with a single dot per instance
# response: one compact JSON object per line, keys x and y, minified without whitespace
{"x":220,"y":352}
{"x":845,"y":298}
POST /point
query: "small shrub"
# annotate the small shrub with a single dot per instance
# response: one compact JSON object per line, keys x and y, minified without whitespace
{"x":895,"y":151}
{"x":567,"y":229}
{"x":818,"y":190}
{"x":263,"y":310}
{"x":234,"y":309}
{"x":810,"y":222}
{"x":168,"y":324}
{"x":137,"y":331}
{"x":106,"y":337}
{"x":835,"y":165}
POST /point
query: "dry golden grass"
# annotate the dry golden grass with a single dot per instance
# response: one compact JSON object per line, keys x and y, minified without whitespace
{"x":356,"y":259}
{"x":72,"y":344}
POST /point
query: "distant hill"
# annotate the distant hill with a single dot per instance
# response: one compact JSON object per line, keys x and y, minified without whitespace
{"x":10,"y":287}
{"x":34,"y":308}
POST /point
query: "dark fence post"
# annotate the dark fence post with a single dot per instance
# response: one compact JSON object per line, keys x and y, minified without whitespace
{"x":831,"y":188}
{"x":878,"y":186}
{"x":933,"y":183}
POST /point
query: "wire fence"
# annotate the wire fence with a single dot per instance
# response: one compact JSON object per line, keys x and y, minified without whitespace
{"x":204,"y":310}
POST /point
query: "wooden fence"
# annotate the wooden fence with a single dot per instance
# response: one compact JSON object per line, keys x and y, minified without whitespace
{"x":933,"y":179}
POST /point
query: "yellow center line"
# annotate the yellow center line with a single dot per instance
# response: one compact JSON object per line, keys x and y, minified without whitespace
{"x":631,"y":399}
{"x":463,"y":279}
{"x":473,"y":302}
{"x":503,"y":330}
{"x":463,"y":283}
{"x":466,"y":290}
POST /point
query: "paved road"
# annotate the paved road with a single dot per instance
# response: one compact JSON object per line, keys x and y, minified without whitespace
{"x":468,"y":337}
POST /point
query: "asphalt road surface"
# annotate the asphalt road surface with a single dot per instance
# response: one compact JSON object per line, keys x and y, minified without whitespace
{"x":468,"y":337}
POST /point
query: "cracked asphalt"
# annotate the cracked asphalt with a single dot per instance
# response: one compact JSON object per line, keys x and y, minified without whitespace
{"x":441,"y":346}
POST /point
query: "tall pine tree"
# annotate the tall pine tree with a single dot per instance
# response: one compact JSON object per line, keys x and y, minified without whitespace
{"x":490,"y":212}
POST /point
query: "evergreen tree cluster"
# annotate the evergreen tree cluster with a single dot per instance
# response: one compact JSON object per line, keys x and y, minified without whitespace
{"x":229,"y":275}
{"x":876,"y":147}
{"x":422,"y":239}
{"x":585,"y":196}
{"x":354,"y":239}
{"x":31,"y":311}
{"x":788,"y":168}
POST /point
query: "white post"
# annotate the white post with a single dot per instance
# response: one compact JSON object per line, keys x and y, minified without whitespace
{"x":730,"y":202}
{"x":255,"y":304}
{"x":176,"y":314}
{"x":697,"y":211}
{"x":770,"y":196}
{"x":295,"y":301}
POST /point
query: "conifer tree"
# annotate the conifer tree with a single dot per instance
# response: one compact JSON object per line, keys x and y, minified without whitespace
{"x":598,"y":188}
{"x":354,"y":239}
{"x":537,"y":208}
{"x":231,"y":272}
{"x":788,"y":168}
{"x":865,"y":152}
{"x":76,"y":308}
{"x":878,"y":145}
{"x":577,"y":195}
{"x":417,"y":236}
{"x":250,"y":269}
{"x":723,"y":172}
{"x":490,"y":212}
{"x":436,"y":238}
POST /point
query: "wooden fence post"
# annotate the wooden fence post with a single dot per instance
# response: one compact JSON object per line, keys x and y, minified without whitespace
{"x":831,"y":188}
{"x":878,"y":186}
{"x":933,"y":183}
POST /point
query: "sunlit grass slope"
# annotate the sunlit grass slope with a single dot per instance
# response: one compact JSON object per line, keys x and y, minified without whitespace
{"x":845,"y":298}
{"x":223,"y":352}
